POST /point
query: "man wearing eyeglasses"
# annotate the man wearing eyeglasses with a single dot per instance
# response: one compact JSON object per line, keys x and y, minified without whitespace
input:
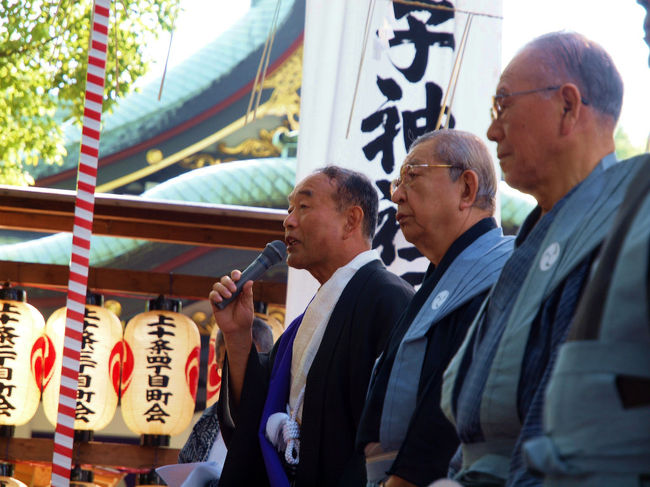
{"x":554,"y":116}
{"x":597,"y":403}
{"x":445,"y":197}
{"x":290,"y":418}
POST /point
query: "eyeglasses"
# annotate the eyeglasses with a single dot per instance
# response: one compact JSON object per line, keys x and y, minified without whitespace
{"x":497,"y":108}
{"x":407,"y":175}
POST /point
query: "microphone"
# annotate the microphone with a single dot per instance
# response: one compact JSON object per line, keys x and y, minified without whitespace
{"x":273,"y":253}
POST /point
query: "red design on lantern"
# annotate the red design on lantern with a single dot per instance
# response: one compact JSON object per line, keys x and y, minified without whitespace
{"x":43,"y":357}
{"x":192,"y":371}
{"x":115,"y":365}
{"x":214,"y":373}
{"x":128,"y":363}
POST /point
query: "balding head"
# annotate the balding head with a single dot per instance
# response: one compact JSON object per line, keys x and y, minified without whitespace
{"x":571,"y":57}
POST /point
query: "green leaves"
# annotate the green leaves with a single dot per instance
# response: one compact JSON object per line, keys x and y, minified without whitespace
{"x":43,"y":55}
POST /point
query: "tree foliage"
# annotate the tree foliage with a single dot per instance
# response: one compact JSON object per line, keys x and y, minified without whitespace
{"x":624,"y":146}
{"x":43,"y":56}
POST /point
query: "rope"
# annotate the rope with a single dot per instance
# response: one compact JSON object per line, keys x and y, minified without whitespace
{"x":274,"y":28}
{"x":291,"y":433}
{"x":264,"y":62}
{"x":453,"y":79}
{"x":364,"y":44}
{"x":169,"y":50}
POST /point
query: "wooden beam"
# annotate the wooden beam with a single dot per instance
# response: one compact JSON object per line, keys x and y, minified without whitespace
{"x":103,"y":454}
{"x":52,"y":211}
{"x":104,"y":280}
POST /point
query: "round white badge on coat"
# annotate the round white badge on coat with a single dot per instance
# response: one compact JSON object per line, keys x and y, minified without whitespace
{"x":439,"y":299}
{"x":550,"y":256}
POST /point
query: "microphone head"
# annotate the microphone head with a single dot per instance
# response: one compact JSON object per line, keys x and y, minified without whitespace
{"x":275,"y":251}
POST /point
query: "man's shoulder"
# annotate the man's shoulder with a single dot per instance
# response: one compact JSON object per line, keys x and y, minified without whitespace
{"x":375,"y":274}
{"x":640,"y":159}
{"x":626,"y":169}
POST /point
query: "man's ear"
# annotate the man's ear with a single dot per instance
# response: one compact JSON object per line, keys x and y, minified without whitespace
{"x":353,"y":220}
{"x":571,"y":107}
{"x":468,"y":187}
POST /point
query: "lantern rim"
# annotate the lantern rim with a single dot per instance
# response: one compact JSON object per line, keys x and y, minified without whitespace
{"x":95,"y":298}
{"x":154,"y":440}
{"x":9,"y":293}
{"x":6,"y":469}
{"x":80,"y":474}
{"x":161,"y":303}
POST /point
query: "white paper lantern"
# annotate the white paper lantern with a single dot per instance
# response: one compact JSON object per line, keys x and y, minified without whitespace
{"x":161,"y":370}
{"x":21,"y":325}
{"x":99,"y":367}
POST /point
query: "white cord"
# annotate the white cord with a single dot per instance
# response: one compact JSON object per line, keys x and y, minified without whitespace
{"x":291,"y":433}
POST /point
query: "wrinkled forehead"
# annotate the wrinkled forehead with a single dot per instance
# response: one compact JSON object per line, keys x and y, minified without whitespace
{"x":313,"y":186}
{"x":525,"y":70}
{"x":423,"y":153}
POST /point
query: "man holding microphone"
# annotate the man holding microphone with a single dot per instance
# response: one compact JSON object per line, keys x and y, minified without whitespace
{"x":290,"y":418}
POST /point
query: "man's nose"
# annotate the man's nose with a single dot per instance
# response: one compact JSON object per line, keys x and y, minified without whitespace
{"x":495,"y":131}
{"x":398,"y":195}
{"x":288,"y":221}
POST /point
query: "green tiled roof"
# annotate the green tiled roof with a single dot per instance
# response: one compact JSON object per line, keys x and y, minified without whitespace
{"x":262,"y":183}
{"x":141,"y":113}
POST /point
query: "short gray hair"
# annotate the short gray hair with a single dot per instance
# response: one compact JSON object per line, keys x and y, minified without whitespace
{"x":464,"y":151}
{"x":354,"y":189}
{"x":571,"y":57}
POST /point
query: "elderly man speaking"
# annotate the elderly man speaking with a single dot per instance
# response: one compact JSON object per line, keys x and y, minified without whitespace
{"x":319,"y":369}
{"x":554,"y":115}
{"x":445,"y":201}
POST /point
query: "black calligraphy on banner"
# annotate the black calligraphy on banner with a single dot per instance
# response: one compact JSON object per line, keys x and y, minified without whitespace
{"x":387,"y":226}
{"x":422,"y":39}
{"x":159,"y":362}
{"x":388,"y":119}
{"x":9,"y":317}
{"x":83,"y":411}
{"x":386,"y":122}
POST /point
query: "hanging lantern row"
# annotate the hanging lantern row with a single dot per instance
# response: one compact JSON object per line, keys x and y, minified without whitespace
{"x":153,"y":366}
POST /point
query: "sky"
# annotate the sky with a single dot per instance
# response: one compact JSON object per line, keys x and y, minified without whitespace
{"x":619,"y":30}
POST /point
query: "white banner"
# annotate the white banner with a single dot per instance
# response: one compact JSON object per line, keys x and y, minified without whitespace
{"x":404,"y":74}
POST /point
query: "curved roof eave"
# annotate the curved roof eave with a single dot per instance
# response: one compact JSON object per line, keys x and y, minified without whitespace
{"x":260,"y":183}
{"x":206,"y":82}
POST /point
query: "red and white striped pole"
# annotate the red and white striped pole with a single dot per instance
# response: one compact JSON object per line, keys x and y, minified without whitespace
{"x":82,"y":231}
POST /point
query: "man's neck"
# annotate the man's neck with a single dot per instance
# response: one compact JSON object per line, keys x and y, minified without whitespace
{"x":342,"y":259}
{"x":437,"y":249}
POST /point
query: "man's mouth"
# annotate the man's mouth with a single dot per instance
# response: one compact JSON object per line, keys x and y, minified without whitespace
{"x":291,"y":242}
{"x":400,"y":217}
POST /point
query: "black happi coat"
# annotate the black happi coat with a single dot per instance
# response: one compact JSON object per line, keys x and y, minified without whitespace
{"x":335,"y":391}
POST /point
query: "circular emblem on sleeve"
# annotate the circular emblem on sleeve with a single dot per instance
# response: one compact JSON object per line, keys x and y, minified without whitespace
{"x":439,"y":299}
{"x":550,"y":256}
